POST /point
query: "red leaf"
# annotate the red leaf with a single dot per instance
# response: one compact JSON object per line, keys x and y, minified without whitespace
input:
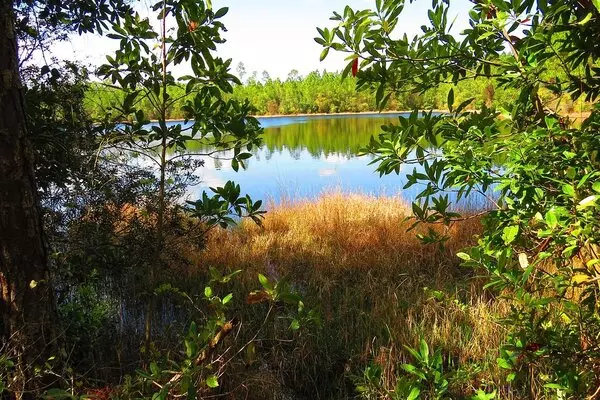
{"x":355,"y":67}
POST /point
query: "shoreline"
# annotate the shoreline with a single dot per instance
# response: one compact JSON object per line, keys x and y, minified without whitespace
{"x":342,"y":114}
{"x":573,"y":115}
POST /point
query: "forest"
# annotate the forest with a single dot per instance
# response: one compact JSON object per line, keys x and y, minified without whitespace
{"x":322,"y":92}
{"x":117,"y":281}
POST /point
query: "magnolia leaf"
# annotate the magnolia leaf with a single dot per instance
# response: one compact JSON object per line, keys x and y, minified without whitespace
{"x":451,"y":99}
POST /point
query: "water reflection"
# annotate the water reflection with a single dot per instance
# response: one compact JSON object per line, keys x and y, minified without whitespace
{"x":302,"y":157}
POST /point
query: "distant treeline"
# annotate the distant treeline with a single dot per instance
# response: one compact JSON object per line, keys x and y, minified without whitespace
{"x":326,"y":92}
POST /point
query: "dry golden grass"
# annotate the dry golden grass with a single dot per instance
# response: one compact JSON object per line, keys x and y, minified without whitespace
{"x":338,"y":231}
{"x":352,"y":257}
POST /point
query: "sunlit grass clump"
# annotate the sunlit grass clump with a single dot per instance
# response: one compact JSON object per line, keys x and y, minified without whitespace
{"x":376,"y":287}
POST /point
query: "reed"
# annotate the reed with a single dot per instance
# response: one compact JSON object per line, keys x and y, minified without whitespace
{"x":376,"y":287}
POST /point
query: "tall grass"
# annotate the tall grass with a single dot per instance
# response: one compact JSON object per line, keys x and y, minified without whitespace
{"x":377,"y":289}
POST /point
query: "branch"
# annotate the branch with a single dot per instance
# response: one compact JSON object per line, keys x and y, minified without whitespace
{"x":207,"y":352}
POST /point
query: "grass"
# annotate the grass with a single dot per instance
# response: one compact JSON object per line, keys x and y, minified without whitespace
{"x":376,"y":287}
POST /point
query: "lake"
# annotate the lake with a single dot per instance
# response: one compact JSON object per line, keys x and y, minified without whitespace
{"x":304,"y":156}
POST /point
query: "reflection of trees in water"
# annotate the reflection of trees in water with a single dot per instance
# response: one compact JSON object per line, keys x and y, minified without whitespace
{"x":325,"y":136}
{"x":218,"y":164}
{"x":268,"y":154}
{"x":319,"y":136}
{"x":296,"y":154}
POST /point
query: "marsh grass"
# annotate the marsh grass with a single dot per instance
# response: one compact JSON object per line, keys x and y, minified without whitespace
{"x":375,"y":286}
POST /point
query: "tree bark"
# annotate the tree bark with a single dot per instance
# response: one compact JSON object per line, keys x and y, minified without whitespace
{"x":26,"y":298}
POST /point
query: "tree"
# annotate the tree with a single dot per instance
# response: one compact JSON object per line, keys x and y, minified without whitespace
{"x":26,"y":293}
{"x":294,"y":75}
{"x":28,"y":328}
{"x":266,"y":77}
{"x":538,"y":169}
{"x":241,"y":71}
{"x":216,"y":125}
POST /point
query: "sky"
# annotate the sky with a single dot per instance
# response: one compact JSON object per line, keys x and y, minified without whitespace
{"x":272,"y":35}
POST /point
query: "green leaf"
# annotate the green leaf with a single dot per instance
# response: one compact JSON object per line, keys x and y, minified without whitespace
{"x":451,"y":99}
{"x":424,"y":350}
{"x":212,"y":381}
{"x":569,"y":190}
{"x":379,"y":93}
{"x":586,"y":19}
{"x":502,"y":363}
{"x":154,"y":368}
{"x":509,"y":234}
{"x":221,"y":12}
{"x":190,"y":348}
{"x":589,"y":201}
{"x":227,"y":298}
{"x":208,"y":292}
{"x":295,"y":325}
{"x":463,"y":256}
{"x":551,"y":219}
{"x":414,"y":393}
{"x":265,"y":282}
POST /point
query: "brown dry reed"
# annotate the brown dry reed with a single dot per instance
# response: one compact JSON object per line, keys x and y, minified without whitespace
{"x":376,"y":287}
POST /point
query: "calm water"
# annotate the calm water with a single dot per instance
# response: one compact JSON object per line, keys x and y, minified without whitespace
{"x":302,"y":157}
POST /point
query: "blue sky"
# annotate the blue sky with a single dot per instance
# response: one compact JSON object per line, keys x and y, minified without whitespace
{"x":273,"y":35}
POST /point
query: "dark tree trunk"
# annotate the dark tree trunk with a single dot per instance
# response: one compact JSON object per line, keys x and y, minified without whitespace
{"x":26,"y":299}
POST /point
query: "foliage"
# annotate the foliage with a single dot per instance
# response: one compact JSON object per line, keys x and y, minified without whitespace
{"x":142,"y":74}
{"x":62,"y":133}
{"x":142,"y":70}
{"x":198,"y":369}
{"x":116,"y":227}
{"x":424,"y":376}
{"x":540,"y":244}
{"x":325,"y":92}
{"x":317,"y":92}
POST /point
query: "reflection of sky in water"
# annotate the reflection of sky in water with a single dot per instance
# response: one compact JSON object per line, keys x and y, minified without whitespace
{"x":298,"y":174}
{"x":282,"y":170}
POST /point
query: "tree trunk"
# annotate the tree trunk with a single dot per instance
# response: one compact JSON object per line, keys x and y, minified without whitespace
{"x":26,"y":298}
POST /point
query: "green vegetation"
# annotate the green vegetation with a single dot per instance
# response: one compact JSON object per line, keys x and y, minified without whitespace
{"x":327,"y":93}
{"x":116,"y":285}
{"x":540,"y":244}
